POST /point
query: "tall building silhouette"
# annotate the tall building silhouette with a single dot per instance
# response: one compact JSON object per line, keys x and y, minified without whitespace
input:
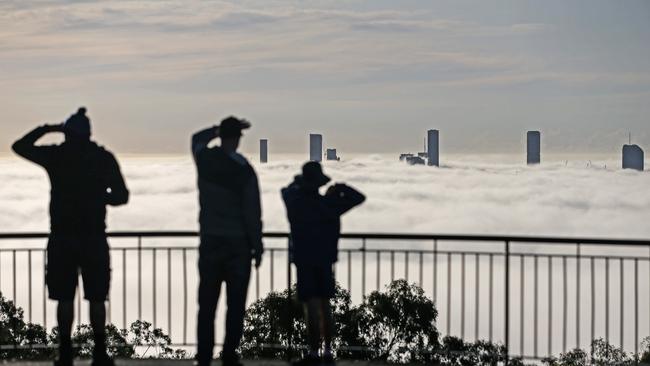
{"x":433,"y":148}
{"x":533,"y":147}
{"x":315,"y":147}
{"x":264,"y":150}
{"x":330,"y":154}
{"x":633,"y":157}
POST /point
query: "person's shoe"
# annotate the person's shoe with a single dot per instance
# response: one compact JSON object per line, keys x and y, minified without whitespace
{"x":201,"y":363}
{"x":63,"y":362}
{"x":231,"y":363}
{"x":308,"y":360}
{"x":102,"y":361}
{"x":328,"y":359}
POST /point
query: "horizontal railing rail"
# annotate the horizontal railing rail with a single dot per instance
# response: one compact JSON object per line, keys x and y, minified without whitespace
{"x":538,"y":296}
{"x":371,"y":236}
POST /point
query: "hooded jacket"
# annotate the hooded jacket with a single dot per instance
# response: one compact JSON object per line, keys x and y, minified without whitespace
{"x":315,"y":220}
{"x":229,"y":195}
{"x":84,"y":178}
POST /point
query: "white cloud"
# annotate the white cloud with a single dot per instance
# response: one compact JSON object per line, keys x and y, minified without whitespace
{"x":461,"y":197}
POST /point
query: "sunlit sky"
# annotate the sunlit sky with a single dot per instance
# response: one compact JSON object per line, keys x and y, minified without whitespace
{"x":371,"y":76}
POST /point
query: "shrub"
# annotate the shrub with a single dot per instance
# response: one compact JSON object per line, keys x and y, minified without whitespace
{"x":454,"y":351}
{"x":399,"y":325}
{"x":275,"y":321}
{"x":121,"y":343}
{"x":15,"y":331}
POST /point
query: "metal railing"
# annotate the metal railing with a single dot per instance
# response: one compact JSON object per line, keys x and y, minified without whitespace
{"x":539,"y":296}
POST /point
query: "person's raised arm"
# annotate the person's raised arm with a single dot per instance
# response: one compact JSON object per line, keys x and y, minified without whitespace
{"x":27,"y":148}
{"x":116,"y":193}
{"x":253,"y":218}
{"x":343,"y":198}
{"x":201,"y":139}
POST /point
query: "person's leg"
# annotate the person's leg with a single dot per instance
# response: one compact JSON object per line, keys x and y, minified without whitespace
{"x":307,"y":286}
{"x":326,"y":290}
{"x":327,"y":325}
{"x":209,"y":291}
{"x":64,"y":318}
{"x":98,"y":323}
{"x":96,"y":274}
{"x":62,"y":278}
{"x":313,"y":310}
{"x":237,"y":279}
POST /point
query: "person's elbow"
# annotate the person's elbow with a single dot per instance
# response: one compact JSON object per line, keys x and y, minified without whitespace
{"x":118,"y":198}
{"x":361,"y":199}
{"x":123,"y":198}
{"x":18,"y":148}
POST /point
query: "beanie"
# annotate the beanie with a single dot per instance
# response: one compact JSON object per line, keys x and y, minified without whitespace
{"x":78,"y":124}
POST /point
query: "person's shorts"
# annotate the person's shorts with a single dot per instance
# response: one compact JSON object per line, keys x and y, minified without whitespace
{"x":315,"y":282}
{"x":67,"y":256}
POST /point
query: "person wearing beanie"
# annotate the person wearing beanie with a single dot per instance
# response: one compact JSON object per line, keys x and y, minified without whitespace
{"x":231,"y":234}
{"x":315,"y":222}
{"x":84,"y":178}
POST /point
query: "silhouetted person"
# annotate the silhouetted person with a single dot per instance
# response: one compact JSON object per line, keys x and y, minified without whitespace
{"x":231,"y":234}
{"x":84,"y":178}
{"x":315,"y":222}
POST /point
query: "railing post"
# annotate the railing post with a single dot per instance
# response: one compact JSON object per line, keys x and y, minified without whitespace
{"x":363,"y":268}
{"x":140,"y":278}
{"x":578,"y":284}
{"x":289,"y":317}
{"x":29,"y":285}
{"x":507,"y":302}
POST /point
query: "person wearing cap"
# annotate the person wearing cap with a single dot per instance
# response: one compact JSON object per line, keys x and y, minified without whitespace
{"x":231,"y":234}
{"x":84,"y":178}
{"x":315,"y":222}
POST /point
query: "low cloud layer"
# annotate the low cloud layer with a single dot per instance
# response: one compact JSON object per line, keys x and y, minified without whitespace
{"x":463,"y":196}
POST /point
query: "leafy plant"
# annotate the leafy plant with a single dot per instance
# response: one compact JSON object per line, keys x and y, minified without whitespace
{"x":399,"y":325}
{"x":454,"y":351}
{"x":27,"y":337}
{"x":276,"y":321}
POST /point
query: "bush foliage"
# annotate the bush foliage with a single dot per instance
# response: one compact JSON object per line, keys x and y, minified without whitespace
{"x":33,"y":342}
{"x":397,"y":325}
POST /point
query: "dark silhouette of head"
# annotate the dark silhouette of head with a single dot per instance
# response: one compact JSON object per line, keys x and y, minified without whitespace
{"x":230,"y":132}
{"x":312,"y":175}
{"x":77,"y":127}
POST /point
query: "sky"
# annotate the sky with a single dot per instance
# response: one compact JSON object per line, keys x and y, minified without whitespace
{"x":372,"y":76}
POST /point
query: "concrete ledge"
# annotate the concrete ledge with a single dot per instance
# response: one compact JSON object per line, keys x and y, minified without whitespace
{"x":157,"y":362}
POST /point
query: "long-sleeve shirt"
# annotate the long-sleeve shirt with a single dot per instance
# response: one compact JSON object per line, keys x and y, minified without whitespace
{"x":84,"y":178}
{"x":229,"y":194}
{"x":315,"y":220}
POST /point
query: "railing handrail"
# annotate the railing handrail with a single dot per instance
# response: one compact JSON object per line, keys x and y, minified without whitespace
{"x":378,"y":236}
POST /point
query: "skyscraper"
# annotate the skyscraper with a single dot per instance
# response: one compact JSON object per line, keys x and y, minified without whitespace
{"x":331,"y":154}
{"x":633,"y":157}
{"x":533,"y":147}
{"x":315,"y":147}
{"x":433,"y":148}
{"x":264,"y":150}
